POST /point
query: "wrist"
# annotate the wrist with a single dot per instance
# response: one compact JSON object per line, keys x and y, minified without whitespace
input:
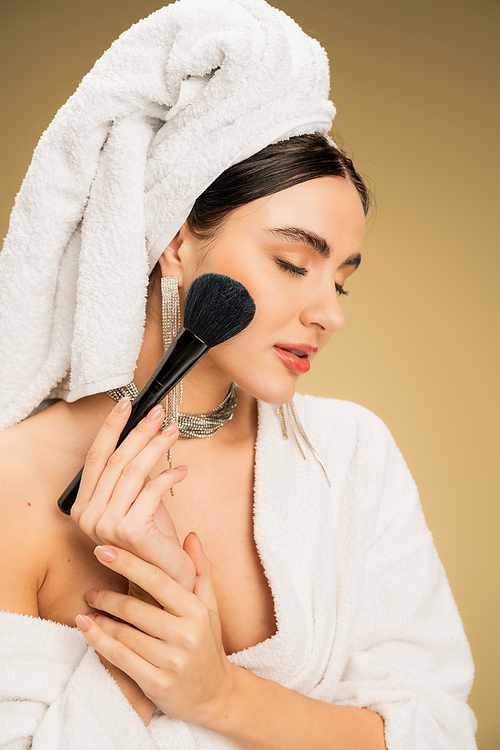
{"x":222,"y":713}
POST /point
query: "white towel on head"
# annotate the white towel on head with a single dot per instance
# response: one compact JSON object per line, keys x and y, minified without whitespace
{"x":195,"y":87}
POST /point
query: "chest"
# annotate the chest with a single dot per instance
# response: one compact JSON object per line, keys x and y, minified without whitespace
{"x":216,"y":503}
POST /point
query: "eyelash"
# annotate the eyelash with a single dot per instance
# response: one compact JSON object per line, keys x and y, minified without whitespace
{"x":285,"y":266}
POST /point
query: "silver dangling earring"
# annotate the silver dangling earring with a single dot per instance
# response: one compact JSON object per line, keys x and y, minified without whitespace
{"x":293,"y":418}
{"x":171,"y":324}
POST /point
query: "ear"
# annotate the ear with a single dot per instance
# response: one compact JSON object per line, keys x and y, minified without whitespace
{"x":170,"y":261}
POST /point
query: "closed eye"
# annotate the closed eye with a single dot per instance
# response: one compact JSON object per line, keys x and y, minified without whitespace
{"x":285,"y":266}
{"x":298,"y":271}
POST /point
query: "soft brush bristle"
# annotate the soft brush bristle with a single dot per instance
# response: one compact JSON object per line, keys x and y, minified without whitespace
{"x":217,"y":308}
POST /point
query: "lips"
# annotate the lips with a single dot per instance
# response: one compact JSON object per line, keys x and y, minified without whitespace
{"x":295,"y":356}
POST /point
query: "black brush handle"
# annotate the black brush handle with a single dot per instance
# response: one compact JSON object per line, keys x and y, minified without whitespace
{"x":181,"y":356}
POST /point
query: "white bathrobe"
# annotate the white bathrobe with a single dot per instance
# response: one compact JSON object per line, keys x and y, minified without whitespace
{"x":364,"y":611}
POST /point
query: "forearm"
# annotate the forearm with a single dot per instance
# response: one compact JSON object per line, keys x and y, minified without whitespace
{"x":262,"y":715}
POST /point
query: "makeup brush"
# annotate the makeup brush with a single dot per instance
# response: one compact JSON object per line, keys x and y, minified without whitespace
{"x":216,"y":309}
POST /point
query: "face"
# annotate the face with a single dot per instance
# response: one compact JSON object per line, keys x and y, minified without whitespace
{"x":293,"y":251}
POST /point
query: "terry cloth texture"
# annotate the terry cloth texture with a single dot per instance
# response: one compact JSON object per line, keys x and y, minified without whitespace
{"x":177,"y":99}
{"x":364,"y":611}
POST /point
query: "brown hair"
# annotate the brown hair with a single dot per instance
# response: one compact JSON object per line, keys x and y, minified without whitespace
{"x":274,"y":168}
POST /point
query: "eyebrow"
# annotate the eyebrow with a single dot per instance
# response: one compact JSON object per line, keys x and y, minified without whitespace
{"x":306,"y":237}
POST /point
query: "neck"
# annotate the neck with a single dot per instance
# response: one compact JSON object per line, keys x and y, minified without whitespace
{"x":204,"y":388}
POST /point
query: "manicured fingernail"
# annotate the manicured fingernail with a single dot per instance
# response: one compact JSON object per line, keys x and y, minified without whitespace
{"x":155,"y":413}
{"x":196,"y":537}
{"x":92,"y":615}
{"x":106,"y":554}
{"x":182,"y":468}
{"x":122,"y":405}
{"x":83,"y":623}
{"x":90,"y":596}
{"x":170,"y":430}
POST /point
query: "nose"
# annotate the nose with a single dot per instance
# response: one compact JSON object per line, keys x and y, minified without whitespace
{"x":325,"y":316}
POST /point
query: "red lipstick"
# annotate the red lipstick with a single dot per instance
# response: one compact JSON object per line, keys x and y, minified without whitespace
{"x":295,"y":356}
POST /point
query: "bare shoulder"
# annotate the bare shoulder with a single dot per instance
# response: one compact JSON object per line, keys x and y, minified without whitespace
{"x":30,"y":521}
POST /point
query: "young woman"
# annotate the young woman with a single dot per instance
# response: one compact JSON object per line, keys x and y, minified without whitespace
{"x":267,"y":601}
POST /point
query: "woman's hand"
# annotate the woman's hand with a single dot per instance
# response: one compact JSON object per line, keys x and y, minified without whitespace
{"x":174,"y":653}
{"x":119,"y":504}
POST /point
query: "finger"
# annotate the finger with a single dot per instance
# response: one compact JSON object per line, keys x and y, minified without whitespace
{"x":131,"y":527}
{"x":143,"y":645}
{"x":134,"y":473}
{"x":146,"y":617}
{"x":95,"y":498}
{"x":128,"y":487}
{"x":204,"y":585}
{"x":98,"y":454}
{"x":116,"y":653}
{"x":148,"y":500}
{"x":163,"y":520}
{"x":167,"y":592}
{"x":117,"y":458}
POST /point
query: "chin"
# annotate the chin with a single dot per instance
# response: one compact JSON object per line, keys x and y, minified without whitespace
{"x":271,"y":392}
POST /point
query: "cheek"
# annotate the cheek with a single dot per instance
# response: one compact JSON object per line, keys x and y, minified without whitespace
{"x":253,"y":345}
{"x":267,"y":287}
{"x":279,"y":296}
{"x":276,"y":314}
{"x":255,"y":338}
{"x":272,"y":309}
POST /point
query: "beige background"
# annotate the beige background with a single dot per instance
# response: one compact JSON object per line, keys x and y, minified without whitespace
{"x":415,"y":87}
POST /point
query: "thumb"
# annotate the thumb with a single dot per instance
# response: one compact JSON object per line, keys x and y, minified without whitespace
{"x":203,"y":586}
